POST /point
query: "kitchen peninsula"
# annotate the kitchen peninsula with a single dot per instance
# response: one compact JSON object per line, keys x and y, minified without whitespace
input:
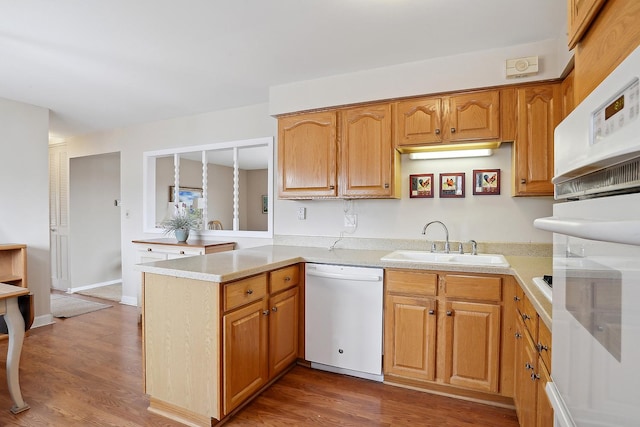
{"x":199,"y":311}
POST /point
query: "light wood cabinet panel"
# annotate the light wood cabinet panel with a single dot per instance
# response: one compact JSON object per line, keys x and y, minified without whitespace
{"x":473,"y":287}
{"x":539,"y":112}
{"x":410,"y":337}
{"x":284,"y":278}
{"x":612,"y":36}
{"x":544,"y":410}
{"x":13,"y":264}
{"x":580,"y":15}
{"x":245,"y":353}
{"x":568,"y":96}
{"x":307,"y":155}
{"x":474,"y":116}
{"x":283,"y":330}
{"x":544,"y":343}
{"x":244,"y":291}
{"x":526,"y":388}
{"x":366,"y":166}
{"x":473,"y":326}
{"x":465,"y":117}
{"x":419,"y":122}
{"x":411,"y":282}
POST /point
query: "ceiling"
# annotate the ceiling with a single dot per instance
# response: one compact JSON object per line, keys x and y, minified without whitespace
{"x":99,"y":65}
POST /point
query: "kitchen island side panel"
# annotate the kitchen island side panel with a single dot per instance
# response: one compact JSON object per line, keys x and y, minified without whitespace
{"x":182,"y":343}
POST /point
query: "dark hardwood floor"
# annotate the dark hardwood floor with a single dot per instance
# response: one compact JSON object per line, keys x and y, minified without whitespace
{"x":86,"y":371}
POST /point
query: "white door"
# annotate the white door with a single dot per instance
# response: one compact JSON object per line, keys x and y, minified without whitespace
{"x":59,"y":215}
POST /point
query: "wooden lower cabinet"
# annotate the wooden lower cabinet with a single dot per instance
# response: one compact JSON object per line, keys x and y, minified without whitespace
{"x":472,"y":357}
{"x":209,"y":347}
{"x":525,"y":388}
{"x":442,"y":333}
{"x":245,"y":353}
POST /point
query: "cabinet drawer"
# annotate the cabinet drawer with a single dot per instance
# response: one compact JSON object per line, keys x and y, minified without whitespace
{"x":174,"y":250}
{"x":473,"y":287}
{"x":530,"y":317}
{"x":518,"y":297}
{"x":284,"y":278}
{"x":544,"y":344}
{"x":411,"y":282}
{"x":244,"y":291}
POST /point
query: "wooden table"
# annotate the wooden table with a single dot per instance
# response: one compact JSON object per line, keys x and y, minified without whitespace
{"x":15,"y":326}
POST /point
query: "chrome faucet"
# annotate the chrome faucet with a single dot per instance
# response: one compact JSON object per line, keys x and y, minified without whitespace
{"x":446,"y":231}
{"x":474,"y":247}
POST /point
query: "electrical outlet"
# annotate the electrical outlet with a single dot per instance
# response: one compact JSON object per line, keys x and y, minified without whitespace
{"x":350,"y":220}
{"x":302,"y":213}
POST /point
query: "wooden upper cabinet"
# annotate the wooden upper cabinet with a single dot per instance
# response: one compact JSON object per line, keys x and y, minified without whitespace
{"x":466,"y":117}
{"x":580,"y":15}
{"x":539,"y":112}
{"x":568,"y":98}
{"x":307,"y":155}
{"x":367,"y":161}
{"x":419,"y":121}
{"x":474,"y":116}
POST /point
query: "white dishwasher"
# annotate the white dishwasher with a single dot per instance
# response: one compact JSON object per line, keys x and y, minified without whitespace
{"x":343,"y":319}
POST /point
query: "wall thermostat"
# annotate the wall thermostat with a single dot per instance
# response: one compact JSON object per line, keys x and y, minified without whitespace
{"x":522,"y":67}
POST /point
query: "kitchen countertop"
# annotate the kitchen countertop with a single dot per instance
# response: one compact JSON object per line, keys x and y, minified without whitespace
{"x":233,"y":265}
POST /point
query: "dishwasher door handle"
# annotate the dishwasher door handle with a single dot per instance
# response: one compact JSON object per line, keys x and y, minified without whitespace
{"x":340,"y":276}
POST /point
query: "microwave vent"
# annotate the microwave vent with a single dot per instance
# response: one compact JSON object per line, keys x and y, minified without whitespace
{"x":618,"y":179}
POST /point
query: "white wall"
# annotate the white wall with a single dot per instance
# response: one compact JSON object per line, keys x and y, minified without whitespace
{"x":24,"y":184}
{"x":229,"y":125}
{"x":468,"y":71}
{"x":94,"y":235}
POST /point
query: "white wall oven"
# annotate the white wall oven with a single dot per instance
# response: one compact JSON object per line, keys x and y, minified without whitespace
{"x":595,"y":367}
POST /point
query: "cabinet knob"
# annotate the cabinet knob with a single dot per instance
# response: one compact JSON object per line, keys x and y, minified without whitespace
{"x":287,"y":279}
{"x":274,"y":309}
{"x":516,"y":298}
{"x":249,"y":291}
{"x":386,"y":185}
{"x":542,"y":347}
{"x":432,"y":312}
{"x":453,"y":130}
{"x":528,"y":366}
{"x":437,"y":131}
{"x":525,"y":316}
{"x":332,"y":187}
{"x":523,"y":181}
{"x":535,"y":376}
{"x":449,"y":313}
{"x":181,"y":252}
{"x":518,"y":335}
{"x":149,"y":249}
{"x":265,"y":312}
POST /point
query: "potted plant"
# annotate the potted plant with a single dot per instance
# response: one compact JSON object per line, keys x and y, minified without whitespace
{"x":180,"y":223}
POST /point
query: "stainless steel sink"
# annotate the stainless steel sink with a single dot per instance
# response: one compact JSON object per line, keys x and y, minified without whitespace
{"x":493,"y":260}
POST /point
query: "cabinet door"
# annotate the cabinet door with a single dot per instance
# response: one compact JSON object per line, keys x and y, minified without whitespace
{"x":568,"y":98}
{"x":367,"y":155}
{"x":283,"y":330}
{"x":474,"y":116}
{"x":472,"y":326}
{"x":245,"y":368}
{"x":410,"y":337}
{"x":544,"y":410}
{"x":580,"y":15}
{"x":418,"y":122}
{"x":307,"y":155}
{"x":525,"y":389}
{"x":539,"y":112}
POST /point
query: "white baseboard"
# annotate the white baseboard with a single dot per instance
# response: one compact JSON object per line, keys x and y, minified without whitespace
{"x":44,"y":320}
{"x":93,"y":285}
{"x":129,"y":301}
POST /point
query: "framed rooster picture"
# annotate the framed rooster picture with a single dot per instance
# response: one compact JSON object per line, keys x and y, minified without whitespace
{"x":486,"y":182}
{"x":451,"y":185}
{"x":421,"y":185}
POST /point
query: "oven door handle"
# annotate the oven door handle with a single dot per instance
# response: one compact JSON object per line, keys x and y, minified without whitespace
{"x":626,"y":232}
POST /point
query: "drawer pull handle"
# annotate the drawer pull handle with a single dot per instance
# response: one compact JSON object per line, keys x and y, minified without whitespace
{"x":516,"y":298}
{"x":287,"y":279}
{"x":528,"y":366}
{"x":525,"y":316}
{"x":249,"y":291}
{"x":274,"y":309}
{"x":542,"y":347}
{"x":432,"y":312}
{"x":535,"y":376}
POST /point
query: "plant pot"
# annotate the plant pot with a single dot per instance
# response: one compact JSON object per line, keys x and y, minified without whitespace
{"x":182,"y":235}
